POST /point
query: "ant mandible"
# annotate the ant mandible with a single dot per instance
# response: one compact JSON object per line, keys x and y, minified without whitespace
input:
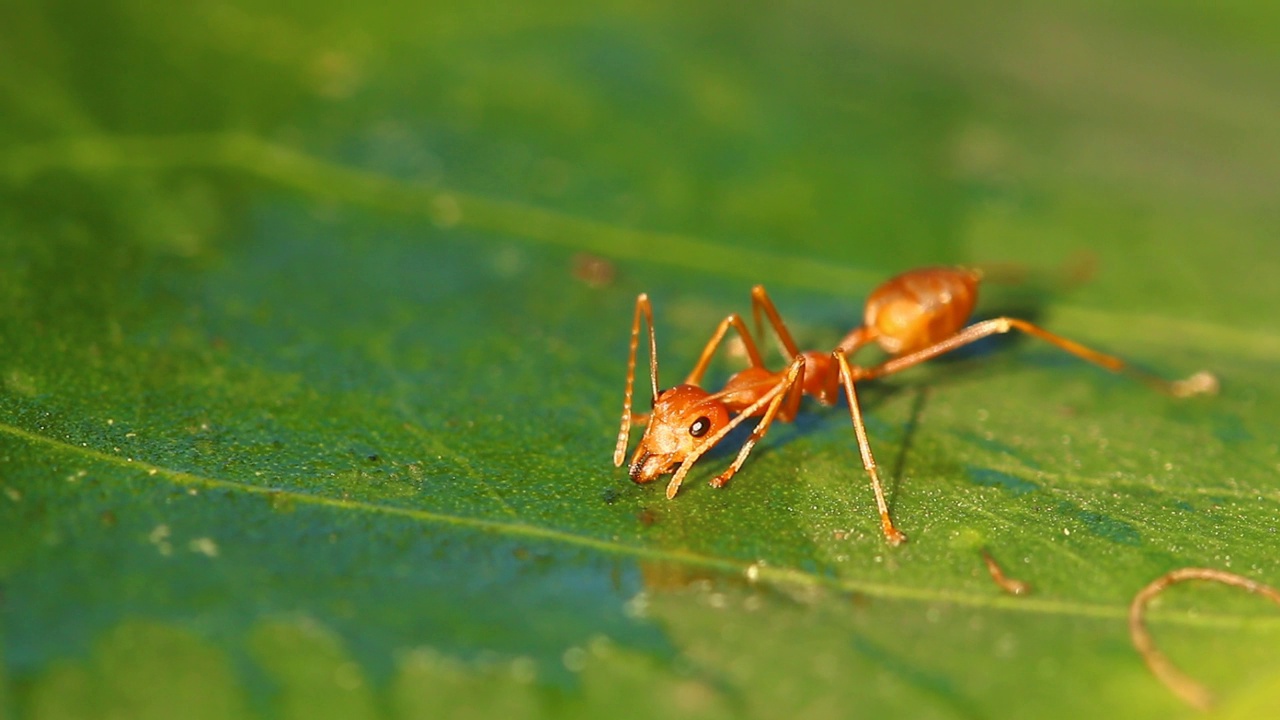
{"x":913,"y":317}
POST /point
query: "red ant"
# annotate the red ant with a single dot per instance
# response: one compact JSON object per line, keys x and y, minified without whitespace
{"x":913,"y":317}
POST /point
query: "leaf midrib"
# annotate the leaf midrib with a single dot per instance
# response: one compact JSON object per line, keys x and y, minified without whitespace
{"x":758,"y":572}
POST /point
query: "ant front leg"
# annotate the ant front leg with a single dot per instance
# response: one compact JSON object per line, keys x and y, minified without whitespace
{"x":768,"y":404}
{"x":790,"y":391}
{"x":893,"y":535}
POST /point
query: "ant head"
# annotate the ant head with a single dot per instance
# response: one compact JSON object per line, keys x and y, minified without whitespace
{"x":682,"y":418}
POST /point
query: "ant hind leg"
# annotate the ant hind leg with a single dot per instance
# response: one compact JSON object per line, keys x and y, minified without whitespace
{"x":1202,"y":382}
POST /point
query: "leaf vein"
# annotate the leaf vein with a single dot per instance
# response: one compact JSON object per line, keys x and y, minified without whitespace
{"x":759,"y":572}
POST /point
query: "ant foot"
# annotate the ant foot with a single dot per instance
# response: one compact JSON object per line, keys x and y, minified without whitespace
{"x":1202,"y":383}
{"x":673,"y":487}
{"x":892,"y":535}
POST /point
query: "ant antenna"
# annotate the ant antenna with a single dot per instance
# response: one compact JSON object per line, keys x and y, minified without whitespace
{"x":653,"y":355}
{"x":643,"y":309}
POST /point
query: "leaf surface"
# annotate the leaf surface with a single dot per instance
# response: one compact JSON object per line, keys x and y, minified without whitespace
{"x":315,"y":333}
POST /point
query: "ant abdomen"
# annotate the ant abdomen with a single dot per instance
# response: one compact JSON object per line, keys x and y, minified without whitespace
{"x":920,"y":308}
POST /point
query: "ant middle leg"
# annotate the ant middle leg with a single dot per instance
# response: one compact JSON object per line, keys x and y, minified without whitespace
{"x":734,"y":321}
{"x":820,"y":379}
{"x":892,"y":535}
{"x":761,"y":302}
{"x":785,"y":391}
{"x":1202,"y":382}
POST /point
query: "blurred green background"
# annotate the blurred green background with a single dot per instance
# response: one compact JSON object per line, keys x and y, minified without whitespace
{"x":313,"y":327}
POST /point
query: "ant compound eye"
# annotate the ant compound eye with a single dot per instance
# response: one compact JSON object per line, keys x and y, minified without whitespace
{"x":700,"y":427}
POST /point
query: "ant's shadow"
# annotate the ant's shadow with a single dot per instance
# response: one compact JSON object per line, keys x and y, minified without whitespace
{"x":814,"y":418}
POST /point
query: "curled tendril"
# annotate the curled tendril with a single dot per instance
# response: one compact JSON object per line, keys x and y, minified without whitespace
{"x":1190,"y":691}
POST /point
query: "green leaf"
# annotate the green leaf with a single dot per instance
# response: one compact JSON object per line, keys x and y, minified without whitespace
{"x":315,"y":328}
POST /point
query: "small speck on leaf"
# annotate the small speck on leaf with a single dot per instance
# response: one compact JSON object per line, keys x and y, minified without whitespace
{"x":205,"y":546}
